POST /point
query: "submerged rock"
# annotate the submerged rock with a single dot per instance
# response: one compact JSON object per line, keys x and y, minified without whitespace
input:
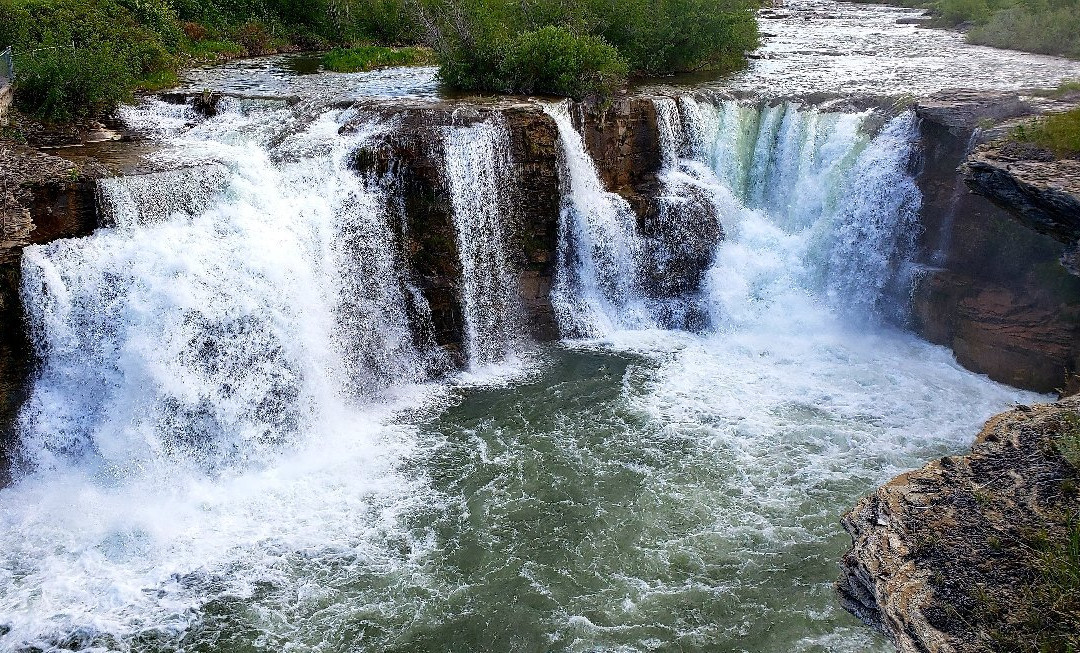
{"x":944,"y":558}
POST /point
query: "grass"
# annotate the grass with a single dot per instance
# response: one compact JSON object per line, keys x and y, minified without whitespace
{"x":1068,"y":442}
{"x":370,"y":57}
{"x":1059,"y":133}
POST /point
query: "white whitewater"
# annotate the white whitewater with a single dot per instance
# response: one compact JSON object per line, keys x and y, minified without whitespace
{"x":183,"y":353}
{"x":224,"y":445}
{"x":479,"y":171}
{"x":597,"y":286}
{"x":224,"y":333}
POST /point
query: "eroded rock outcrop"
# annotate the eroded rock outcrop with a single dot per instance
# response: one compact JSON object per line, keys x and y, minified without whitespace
{"x":410,"y":157}
{"x":992,"y":288}
{"x":1040,"y":189}
{"x":943,"y":558}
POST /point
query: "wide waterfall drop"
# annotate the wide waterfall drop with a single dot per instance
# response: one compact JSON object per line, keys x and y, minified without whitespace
{"x":830,"y":197}
{"x":479,"y":172}
{"x":597,"y":288}
{"x":241,"y":437}
{"x":222,"y":334}
{"x":183,"y":354}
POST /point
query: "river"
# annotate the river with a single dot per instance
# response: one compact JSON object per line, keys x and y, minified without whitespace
{"x":234,"y":442}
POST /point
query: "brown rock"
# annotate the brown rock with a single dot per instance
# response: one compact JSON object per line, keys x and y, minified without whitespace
{"x":940,"y":557}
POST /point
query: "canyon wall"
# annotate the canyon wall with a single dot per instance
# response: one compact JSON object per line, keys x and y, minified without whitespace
{"x":993,"y":289}
{"x":947,"y":557}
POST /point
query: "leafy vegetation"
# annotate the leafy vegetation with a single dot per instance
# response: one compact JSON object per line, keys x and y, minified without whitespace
{"x":591,"y":46}
{"x":1058,"y":132}
{"x":1042,"y":26}
{"x":370,"y":57}
{"x":80,"y":58}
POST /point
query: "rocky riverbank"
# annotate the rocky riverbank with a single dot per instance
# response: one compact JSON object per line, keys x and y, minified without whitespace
{"x":963,"y":554}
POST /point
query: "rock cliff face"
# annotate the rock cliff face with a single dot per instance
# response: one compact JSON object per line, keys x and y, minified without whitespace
{"x":411,"y":158}
{"x":943,"y":558}
{"x":622,"y":139}
{"x":992,"y":287}
{"x":1042,"y":191}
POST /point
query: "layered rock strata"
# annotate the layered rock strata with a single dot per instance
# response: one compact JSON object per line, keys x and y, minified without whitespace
{"x":943,"y":558}
{"x":991,"y":287}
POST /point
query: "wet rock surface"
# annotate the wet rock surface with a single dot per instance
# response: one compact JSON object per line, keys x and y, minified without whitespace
{"x":1042,"y":191}
{"x":410,"y":157}
{"x":941,"y":556}
{"x":991,"y":286}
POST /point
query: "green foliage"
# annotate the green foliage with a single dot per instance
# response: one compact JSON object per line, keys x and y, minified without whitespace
{"x":78,"y":58}
{"x":542,"y":45}
{"x":64,"y":84}
{"x":1059,"y":133}
{"x":1044,"y":26}
{"x":553,"y":60}
{"x":370,"y":57}
{"x":1069,"y":440}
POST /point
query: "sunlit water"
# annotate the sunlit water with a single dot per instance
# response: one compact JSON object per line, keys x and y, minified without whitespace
{"x":235,"y":443}
{"x":818,"y":46}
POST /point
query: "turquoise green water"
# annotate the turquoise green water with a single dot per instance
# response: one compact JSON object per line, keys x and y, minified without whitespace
{"x":683,"y":498}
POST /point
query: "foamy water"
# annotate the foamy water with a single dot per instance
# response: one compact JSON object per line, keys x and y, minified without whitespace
{"x":237,"y":441}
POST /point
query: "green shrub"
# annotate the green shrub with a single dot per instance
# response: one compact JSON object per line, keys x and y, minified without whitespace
{"x":553,"y":60}
{"x":1059,"y":133}
{"x":370,"y":57}
{"x":62,"y":84}
{"x":499,"y":44}
{"x":1044,"y":26}
{"x":1046,"y":31}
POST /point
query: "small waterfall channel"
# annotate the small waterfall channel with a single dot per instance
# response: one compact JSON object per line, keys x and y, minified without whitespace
{"x":242,"y":432}
{"x":480,"y":173}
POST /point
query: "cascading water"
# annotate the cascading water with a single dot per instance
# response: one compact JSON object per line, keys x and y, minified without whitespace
{"x":597,"y":287}
{"x":227,"y":447}
{"x":478,"y":170}
{"x":840,"y":199}
{"x":224,"y":333}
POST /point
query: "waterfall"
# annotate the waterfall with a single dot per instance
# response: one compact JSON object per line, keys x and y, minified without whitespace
{"x":597,"y":287}
{"x":158,"y":196}
{"x":479,"y":172}
{"x":760,"y":205}
{"x":230,"y":318}
{"x":827,"y":194}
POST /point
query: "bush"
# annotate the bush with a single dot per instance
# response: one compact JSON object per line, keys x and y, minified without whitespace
{"x":1046,"y":31}
{"x":553,"y":60}
{"x":502,"y":45}
{"x":1044,"y":26}
{"x":62,"y":84}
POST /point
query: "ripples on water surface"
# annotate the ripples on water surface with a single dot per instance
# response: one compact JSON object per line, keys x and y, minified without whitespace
{"x":208,"y":479}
